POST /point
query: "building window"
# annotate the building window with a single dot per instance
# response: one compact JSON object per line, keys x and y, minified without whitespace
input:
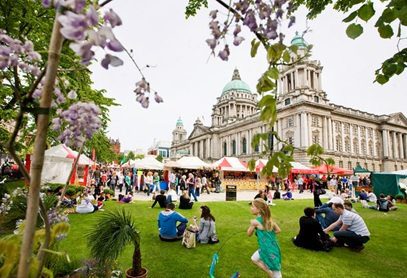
{"x":371,"y":150}
{"x":225,"y":149}
{"x":363,"y":131}
{"x":290,"y":121}
{"x":373,"y":167}
{"x":346,"y":128}
{"x":363,"y":146}
{"x":315,"y":121}
{"x":355,"y":146}
{"x":395,"y":167}
{"x":163,"y":153}
{"x":233,"y":147}
{"x":370,"y":132}
{"x":338,"y":140}
{"x":340,"y":164}
{"x":355,"y":130}
{"x":315,"y":137}
{"x":287,"y":101}
{"x":378,"y":149}
{"x":338,"y":126}
{"x":289,"y":137}
{"x":316,"y":99}
{"x":244,"y":146}
{"x":349,"y":165}
{"x":366,"y":165}
{"x":347,"y":144}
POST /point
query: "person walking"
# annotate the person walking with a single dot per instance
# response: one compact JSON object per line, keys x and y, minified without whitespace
{"x":191,"y":186}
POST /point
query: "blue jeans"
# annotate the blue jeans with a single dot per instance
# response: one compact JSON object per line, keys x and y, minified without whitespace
{"x":192,"y":192}
{"x":352,"y":239}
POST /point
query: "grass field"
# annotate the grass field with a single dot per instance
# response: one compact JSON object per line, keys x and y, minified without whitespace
{"x":384,"y":255}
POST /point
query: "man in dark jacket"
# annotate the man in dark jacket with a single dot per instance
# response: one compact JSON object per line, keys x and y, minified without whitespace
{"x":160,"y":199}
{"x":311,"y":235}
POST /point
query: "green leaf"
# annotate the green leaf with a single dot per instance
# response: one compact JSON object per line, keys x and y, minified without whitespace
{"x":351,"y":17}
{"x":255,"y":46}
{"x":266,"y":101}
{"x":354,"y":30}
{"x":381,"y":79}
{"x":385,"y":31}
{"x":388,"y":15}
{"x":286,"y":57}
{"x":273,"y":73}
{"x":366,"y":11}
{"x":274,"y":52}
{"x":390,"y":69}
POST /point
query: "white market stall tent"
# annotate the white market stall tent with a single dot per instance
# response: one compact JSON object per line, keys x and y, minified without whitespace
{"x":147,"y":163}
{"x":58,"y":162}
{"x":188,"y":162}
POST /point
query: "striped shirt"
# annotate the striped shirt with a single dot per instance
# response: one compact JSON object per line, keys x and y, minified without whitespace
{"x":355,"y":223}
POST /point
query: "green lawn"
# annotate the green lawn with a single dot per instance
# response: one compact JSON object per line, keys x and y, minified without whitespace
{"x":384,"y":255}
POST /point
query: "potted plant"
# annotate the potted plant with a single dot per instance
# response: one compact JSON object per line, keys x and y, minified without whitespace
{"x":114,"y":230}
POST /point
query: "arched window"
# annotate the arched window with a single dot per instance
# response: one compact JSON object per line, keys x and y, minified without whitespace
{"x":363,"y":146}
{"x":225,"y":149}
{"x":244,"y":146}
{"x":233,"y":147}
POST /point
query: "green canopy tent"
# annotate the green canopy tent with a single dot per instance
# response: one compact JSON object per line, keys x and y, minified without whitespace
{"x":387,"y":183}
{"x":360,"y":170}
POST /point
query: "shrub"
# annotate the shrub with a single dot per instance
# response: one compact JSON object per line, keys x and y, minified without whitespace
{"x":399,"y":197}
{"x":70,"y":191}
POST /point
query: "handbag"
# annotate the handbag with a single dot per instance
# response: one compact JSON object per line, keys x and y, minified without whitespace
{"x":213,"y":239}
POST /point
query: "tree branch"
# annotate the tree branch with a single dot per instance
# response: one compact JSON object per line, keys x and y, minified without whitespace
{"x":69,"y":177}
{"x":105,"y":3}
{"x":39,"y":149}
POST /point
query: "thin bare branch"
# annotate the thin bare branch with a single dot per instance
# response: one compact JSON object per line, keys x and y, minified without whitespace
{"x":69,"y":177}
{"x":105,"y":3}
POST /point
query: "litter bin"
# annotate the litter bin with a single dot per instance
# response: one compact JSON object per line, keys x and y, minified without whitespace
{"x":231,"y":191}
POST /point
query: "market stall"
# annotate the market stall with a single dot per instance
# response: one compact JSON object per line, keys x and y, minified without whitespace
{"x":234,"y":172}
{"x":58,"y":162}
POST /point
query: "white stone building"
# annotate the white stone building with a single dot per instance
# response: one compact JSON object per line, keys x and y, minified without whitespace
{"x":305,"y":116}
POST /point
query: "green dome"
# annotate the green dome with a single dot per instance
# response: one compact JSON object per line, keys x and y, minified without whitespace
{"x":179,"y":122}
{"x":236,"y":84}
{"x":299,"y":41}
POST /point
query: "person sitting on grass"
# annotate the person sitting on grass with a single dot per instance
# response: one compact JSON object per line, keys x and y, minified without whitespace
{"x":288,"y":195}
{"x":390,"y":202}
{"x":184,"y":201}
{"x":261,"y":194}
{"x":353,"y":231}
{"x":311,"y":235}
{"x":85,"y":205}
{"x":326,"y":215}
{"x":167,"y":224}
{"x":371,"y":197}
{"x":348,"y":206}
{"x":207,"y":227}
{"x":161,"y":199}
{"x":277,"y":194}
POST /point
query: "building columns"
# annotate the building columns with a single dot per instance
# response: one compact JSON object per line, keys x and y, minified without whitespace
{"x":395,"y":146}
{"x":385,"y":143}
{"x":401,"y":147}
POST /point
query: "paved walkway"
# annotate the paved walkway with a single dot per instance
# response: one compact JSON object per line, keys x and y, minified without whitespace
{"x":246,"y":195}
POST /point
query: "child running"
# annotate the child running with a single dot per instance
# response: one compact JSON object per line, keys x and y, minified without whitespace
{"x":268,"y":256}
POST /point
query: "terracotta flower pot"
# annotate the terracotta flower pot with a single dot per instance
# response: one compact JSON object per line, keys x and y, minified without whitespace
{"x":143,"y":275}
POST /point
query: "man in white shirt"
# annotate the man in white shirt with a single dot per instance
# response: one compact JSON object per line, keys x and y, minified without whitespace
{"x":353,"y":231}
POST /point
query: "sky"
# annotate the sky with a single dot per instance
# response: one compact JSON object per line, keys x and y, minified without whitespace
{"x":189,"y":79}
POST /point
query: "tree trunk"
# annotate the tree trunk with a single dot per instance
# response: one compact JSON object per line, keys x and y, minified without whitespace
{"x":136,"y":260}
{"x":39,"y":149}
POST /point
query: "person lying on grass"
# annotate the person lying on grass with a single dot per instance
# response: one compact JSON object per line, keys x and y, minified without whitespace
{"x":268,"y":256}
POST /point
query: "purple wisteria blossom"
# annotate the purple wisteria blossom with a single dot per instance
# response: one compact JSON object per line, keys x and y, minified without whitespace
{"x":79,"y":122}
{"x":111,"y":60}
{"x":14,"y":53}
{"x":157,"y":98}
